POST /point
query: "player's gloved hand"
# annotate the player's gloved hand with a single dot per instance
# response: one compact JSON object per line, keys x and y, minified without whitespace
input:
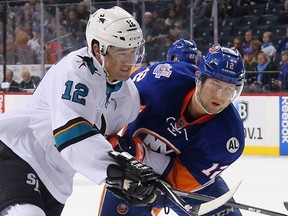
{"x":132,"y":180}
{"x":132,"y":145}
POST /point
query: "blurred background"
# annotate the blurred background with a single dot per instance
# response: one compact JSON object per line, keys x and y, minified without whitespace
{"x":36,"y":34}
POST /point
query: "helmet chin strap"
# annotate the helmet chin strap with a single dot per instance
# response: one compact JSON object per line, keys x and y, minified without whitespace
{"x":107,"y":73}
{"x":114,"y":82}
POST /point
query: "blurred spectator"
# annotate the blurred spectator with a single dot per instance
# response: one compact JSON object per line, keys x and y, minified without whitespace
{"x":268,"y":46}
{"x":10,"y":50}
{"x":283,"y":14}
{"x":264,"y":81}
{"x":28,"y":82}
{"x":283,"y":45}
{"x":27,"y":27}
{"x":282,"y":81}
{"x":248,"y":37}
{"x":176,"y":32}
{"x":83,"y":12}
{"x":156,"y":15}
{"x":250,"y":65}
{"x":158,"y":38}
{"x":237,"y":44}
{"x":209,"y":12}
{"x":10,"y":25}
{"x":149,"y":33}
{"x":224,"y":9}
{"x":181,"y":11}
{"x":53,"y":49}
{"x":229,"y":7}
{"x":32,"y":2}
{"x":34,"y":42}
{"x":9,"y":85}
{"x":25,"y":54}
{"x":156,"y":5}
{"x":256,"y":46}
{"x":37,"y":15}
{"x":24,"y":15}
{"x":76,"y":27}
{"x":172,"y":19}
{"x":249,"y":60}
{"x":150,"y":27}
{"x":199,"y":8}
{"x":160,"y":31}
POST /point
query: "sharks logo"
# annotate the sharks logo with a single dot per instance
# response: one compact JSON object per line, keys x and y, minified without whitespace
{"x":88,"y":62}
{"x":102,"y":18}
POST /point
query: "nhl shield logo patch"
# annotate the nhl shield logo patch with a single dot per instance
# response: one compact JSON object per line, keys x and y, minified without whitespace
{"x":162,"y":70}
{"x":122,"y":209}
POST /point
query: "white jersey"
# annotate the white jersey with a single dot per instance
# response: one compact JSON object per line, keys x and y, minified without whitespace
{"x":269,"y":49}
{"x":59,"y":133}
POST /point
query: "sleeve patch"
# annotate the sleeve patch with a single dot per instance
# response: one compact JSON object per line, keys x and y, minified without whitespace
{"x":162,"y":70}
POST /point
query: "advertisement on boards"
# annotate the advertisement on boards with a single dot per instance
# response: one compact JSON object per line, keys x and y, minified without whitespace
{"x":283,"y":124}
{"x":261,"y":124}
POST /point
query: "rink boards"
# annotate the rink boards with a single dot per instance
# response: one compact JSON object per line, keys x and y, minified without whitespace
{"x":265,"y":119}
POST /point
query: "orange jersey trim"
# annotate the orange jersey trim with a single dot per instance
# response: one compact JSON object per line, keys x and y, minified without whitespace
{"x":102,"y":199}
{"x":133,"y":69}
{"x":180,"y":178}
{"x":186,"y":102}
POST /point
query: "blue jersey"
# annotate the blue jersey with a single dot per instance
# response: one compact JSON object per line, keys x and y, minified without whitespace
{"x":198,"y":149}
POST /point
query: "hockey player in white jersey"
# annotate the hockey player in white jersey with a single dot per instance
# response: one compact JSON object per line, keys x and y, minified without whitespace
{"x":86,"y":96}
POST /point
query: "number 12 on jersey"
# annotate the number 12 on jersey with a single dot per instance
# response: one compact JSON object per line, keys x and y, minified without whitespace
{"x":213,"y":171}
{"x":76,"y":94}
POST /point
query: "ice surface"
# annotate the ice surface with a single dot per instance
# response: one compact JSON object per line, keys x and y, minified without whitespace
{"x":264,"y":185}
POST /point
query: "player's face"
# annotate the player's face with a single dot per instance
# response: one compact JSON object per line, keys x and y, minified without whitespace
{"x":215,"y":95}
{"x":118,"y":62}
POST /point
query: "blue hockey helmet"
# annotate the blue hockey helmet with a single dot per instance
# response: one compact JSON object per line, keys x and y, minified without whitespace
{"x":184,"y":50}
{"x":223,"y":64}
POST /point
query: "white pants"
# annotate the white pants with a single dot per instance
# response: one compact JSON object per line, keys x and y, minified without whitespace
{"x":23,"y":210}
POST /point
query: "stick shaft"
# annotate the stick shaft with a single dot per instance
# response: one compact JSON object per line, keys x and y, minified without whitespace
{"x":229,"y":203}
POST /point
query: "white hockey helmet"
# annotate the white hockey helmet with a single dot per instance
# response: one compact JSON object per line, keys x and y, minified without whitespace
{"x":113,"y":27}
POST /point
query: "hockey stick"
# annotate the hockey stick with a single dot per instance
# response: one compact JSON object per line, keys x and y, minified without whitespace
{"x":201,"y":209}
{"x":134,"y":169}
{"x":286,"y":205}
{"x":206,"y":198}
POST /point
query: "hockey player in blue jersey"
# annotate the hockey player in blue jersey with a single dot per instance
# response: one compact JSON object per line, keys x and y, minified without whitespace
{"x":183,"y":50}
{"x":81,"y":99}
{"x":189,"y":126}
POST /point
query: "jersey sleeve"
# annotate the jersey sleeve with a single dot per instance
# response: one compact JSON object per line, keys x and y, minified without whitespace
{"x":75,"y":94}
{"x":153,"y":82}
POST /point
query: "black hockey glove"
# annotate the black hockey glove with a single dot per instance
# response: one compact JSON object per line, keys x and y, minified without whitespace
{"x":132,"y":180}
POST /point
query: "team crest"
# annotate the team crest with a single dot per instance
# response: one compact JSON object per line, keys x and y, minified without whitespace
{"x":162,"y":70}
{"x":215,"y":48}
{"x":122,"y":209}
